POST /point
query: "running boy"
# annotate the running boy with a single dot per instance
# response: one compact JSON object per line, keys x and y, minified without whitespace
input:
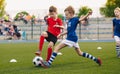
{"x":72,"y":39}
{"x":116,"y":30}
{"x":54,"y":29}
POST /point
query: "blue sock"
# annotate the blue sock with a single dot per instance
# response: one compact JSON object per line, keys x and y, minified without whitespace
{"x":89,"y":56}
{"x":118,"y":50}
{"x":53,"y":56}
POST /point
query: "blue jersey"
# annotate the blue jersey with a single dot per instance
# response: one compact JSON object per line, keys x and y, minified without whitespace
{"x":116,"y":25}
{"x":71,"y":27}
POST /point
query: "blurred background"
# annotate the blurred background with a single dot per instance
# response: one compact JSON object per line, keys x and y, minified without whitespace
{"x":26,"y":18}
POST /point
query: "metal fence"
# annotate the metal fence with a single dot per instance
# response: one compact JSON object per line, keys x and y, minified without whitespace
{"x":98,"y":29}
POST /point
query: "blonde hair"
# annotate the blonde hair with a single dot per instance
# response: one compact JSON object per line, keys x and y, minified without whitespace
{"x":52,"y":9}
{"x":70,"y":9}
{"x":117,"y":8}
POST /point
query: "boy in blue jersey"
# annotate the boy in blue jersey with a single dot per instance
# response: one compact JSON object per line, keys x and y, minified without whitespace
{"x":72,"y":39}
{"x":116,"y":30}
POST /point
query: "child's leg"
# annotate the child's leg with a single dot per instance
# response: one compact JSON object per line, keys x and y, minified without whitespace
{"x":87,"y":55}
{"x":49,"y":51}
{"x":118,"y":49}
{"x":117,"y":39}
{"x":41,"y":42}
{"x":56,"y":50}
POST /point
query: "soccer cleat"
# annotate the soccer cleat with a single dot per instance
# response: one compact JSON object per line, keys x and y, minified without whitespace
{"x":45,"y":64}
{"x":99,"y":61}
{"x":38,"y":53}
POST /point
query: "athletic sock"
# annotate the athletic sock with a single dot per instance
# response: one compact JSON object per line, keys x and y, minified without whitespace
{"x":41,"y":42}
{"x":49,"y":53}
{"x":87,"y":55}
{"x":52,"y":58}
{"x":118,"y":50}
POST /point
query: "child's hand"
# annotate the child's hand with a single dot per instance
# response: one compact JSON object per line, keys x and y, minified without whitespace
{"x":56,"y":26}
{"x":112,"y":36}
{"x":90,"y":12}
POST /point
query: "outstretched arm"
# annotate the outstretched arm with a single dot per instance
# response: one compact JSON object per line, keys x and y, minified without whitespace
{"x":84,"y":17}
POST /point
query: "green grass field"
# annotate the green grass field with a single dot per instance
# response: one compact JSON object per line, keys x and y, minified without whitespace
{"x":68,"y":63}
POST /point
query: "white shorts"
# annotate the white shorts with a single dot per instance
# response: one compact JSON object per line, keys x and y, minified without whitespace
{"x":70,"y":43}
{"x":117,"y":38}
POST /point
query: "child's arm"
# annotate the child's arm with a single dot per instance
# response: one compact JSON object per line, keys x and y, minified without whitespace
{"x":113,"y":22}
{"x":84,"y":17}
{"x":65,"y":32}
{"x":113,"y":32}
{"x":58,"y":26}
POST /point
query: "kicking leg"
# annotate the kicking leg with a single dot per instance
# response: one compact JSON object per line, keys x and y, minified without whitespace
{"x":87,"y":55}
{"x":53,"y":56}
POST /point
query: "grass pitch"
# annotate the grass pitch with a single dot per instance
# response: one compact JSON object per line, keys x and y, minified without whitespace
{"x":68,"y":63}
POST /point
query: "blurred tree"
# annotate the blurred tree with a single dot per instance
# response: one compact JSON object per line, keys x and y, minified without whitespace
{"x":22,"y":12}
{"x":83,"y":10}
{"x":60,"y":16}
{"x":2,"y":7}
{"x":108,"y":9}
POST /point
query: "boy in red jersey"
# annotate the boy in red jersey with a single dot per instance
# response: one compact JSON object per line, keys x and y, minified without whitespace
{"x":53,"y":30}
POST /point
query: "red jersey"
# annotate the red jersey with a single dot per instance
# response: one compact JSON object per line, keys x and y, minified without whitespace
{"x":54,"y":30}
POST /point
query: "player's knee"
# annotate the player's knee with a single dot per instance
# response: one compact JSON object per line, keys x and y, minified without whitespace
{"x":118,"y":43}
{"x":44,"y":34}
{"x":50,"y":45}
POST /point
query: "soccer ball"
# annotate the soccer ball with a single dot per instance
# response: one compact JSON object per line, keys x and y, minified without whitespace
{"x":37,"y":61}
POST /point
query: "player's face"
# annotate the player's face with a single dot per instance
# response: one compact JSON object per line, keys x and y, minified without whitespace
{"x":117,"y":13}
{"x":67,"y":15}
{"x":52,"y":14}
